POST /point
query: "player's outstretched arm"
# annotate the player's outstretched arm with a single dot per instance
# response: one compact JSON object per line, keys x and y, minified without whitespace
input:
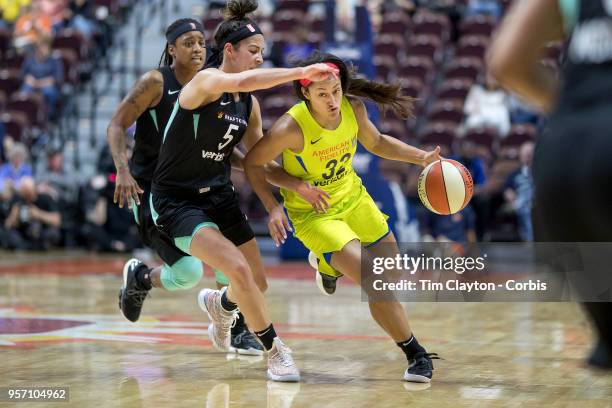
{"x":275,"y":174}
{"x":386,"y":146}
{"x":144,"y":94}
{"x":514,"y":55}
{"x":210,"y":83}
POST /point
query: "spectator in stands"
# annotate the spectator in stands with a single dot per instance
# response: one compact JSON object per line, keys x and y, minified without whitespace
{"x":2,"y":134}
{"x":54,"y":9}
{"x":31,"y":26}
{"x":56,"y":182}
{"x":487,"y":105}
{"x":459,"y":227}
{"x":297,"y":46}
{"x":34,"y":220}
{"x":488,"y":7}
{"x":79,"y":17}
{"x":107,"y":227}
{"x":6,"y":200}
{"x":468,"y":156}
{"x":16,"y":168}
{"x":521,"y":113}
{"x":43,"y":73}
{"x":518,"y":191}
{"x":481,"y":204}
{"x":10,"y":10}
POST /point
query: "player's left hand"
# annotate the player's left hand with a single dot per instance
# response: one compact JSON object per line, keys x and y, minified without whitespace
{"x":278,"y":224}
{"x":431,"y":157}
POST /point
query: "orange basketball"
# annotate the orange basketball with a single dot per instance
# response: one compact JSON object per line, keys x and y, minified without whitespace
{"x":445,"y":187}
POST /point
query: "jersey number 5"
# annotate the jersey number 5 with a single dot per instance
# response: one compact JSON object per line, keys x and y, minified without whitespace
{"x":228,"y":137}
{"x":331,"y":165}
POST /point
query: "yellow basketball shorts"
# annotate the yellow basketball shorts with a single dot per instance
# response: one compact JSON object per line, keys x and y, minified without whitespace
{"x":325,"y":234}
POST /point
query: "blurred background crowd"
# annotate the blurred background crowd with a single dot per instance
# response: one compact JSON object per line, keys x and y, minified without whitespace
{"x":52,"y":50}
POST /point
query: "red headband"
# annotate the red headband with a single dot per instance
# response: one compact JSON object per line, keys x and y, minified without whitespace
{"x":305,"y":82}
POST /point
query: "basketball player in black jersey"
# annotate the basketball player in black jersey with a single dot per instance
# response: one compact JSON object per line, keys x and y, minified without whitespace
{"x":193,"y":200}
{"x":572,"y":165}
{"x":150,"y":103}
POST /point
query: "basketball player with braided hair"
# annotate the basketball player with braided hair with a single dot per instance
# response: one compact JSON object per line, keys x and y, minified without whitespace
{"x":193,"y":201}
{"x":318,"y":139}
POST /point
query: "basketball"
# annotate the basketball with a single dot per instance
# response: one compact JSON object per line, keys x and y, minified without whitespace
{"x":445,"y":187}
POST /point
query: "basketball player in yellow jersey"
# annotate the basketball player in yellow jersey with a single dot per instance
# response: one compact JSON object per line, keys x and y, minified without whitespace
{"x":331,"y":212}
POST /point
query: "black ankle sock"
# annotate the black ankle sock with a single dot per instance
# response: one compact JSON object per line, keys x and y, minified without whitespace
{"x":143,"y":278}
{"x":411,"y":347}
{"x":239,"y":325}
{"x":227,"y":304}
{"x":267,"y":336}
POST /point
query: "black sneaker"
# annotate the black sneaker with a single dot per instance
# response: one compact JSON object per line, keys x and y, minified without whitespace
{"x":601,"y":356}
{"x":420,"y":368}
{"x":325,"y":283}
{"x":131,"y":296}
{"x":245,"y":342}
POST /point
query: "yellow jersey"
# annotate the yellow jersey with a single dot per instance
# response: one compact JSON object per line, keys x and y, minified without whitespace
{"x":326,"y":160}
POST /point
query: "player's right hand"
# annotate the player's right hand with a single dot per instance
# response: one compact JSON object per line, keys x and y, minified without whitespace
{"x":278,"y":224}
{"x":316,"y":197}
{"x":126,"y":189}
{"x":319,"y":72}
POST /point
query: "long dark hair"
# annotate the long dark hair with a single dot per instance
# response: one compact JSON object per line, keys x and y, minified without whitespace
{"x":386,"y":96}
{"x":166,"y":59}
{"x":235,"y":17}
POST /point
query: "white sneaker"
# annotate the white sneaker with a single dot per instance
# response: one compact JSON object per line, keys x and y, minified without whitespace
{"x":219,"y":330}
{"x":281,"y":366}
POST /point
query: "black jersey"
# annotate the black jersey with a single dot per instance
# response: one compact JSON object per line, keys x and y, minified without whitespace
{"x":150,"y":126}
{"x":197,"y":145}
{"x":588,"y":72}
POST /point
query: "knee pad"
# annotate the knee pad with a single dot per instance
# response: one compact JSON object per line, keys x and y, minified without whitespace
{"x":183,"y":274}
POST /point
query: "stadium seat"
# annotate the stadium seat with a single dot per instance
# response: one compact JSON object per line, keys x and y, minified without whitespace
{"x":454,"y":89}
{"x":479,"y":24}
{"x":395,"y":23}
{"x":32,"y":105}
{"x":15,"y":124}
{"x":13,"y":60}
{"x":296,"y":5}
{"x":389,"y":45}
{"x":428,"y":46}
{"x":420,"y":67}
{"x":70,"y":62}
{"x":385,"y":65}
{"x":2,"y":101}
{"x":69,"y":38}
{"x":484,"y":137}
{"x":432,"y":23}
{"x":447,"y":111}
{"x":5,"y":42}
{"x":438,"y":133}
{"x":412,"y":87}
{"x":519,"y":134}
{"x":394,"y":127}
{"x":10,"y":81}
{"x":286,"y":21}
{"x":472,"y":46}
{"x":465,"y":68}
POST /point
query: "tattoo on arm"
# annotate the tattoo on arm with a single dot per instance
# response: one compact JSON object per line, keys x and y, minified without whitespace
{"x":140,"y":89}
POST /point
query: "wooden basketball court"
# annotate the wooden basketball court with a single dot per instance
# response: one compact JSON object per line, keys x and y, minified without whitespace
{"x":60,"y":326}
